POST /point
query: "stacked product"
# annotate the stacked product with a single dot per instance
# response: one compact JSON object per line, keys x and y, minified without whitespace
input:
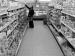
{"x":54,"y":15}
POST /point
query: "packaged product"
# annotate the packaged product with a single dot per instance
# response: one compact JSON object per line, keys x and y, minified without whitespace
{"x":2,"y":35}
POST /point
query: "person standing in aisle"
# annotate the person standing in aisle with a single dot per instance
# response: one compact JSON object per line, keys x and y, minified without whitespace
{"x":30,"y":16}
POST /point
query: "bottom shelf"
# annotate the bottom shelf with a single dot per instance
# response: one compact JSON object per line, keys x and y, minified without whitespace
{"x":19,"y":45}
{"x":21,"y":40}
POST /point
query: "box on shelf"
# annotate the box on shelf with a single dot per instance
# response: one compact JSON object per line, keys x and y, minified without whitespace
{"x":2,"y":35}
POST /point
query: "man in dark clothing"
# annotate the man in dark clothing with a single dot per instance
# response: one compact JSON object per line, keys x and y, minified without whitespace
{"x":30,"y":16}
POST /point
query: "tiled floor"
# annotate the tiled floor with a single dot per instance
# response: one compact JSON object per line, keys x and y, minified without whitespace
{"x":39,"y":42}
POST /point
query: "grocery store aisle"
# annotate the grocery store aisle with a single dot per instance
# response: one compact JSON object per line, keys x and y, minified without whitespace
{"x":39,"y":42}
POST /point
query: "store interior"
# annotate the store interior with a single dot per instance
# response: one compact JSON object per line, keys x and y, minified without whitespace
{"x":53,"y":33}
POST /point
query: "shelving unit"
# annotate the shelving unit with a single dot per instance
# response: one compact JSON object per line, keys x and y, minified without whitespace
{"x":13,"y":23}
{"x":63,"y":24}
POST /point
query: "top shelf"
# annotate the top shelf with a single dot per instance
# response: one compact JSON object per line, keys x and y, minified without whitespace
{"x":15,"y":8}
{"x":4,"y":10}
{"x":69,"y":13}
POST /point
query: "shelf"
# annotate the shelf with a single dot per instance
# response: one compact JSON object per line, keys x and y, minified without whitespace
{"x":57,"y":38}
{"x":3,"y":11}
{"x":68,"y":13}
{"x":12,"y":39}
{"x":67,"y":26}
{"x":9,"y":32}
{"x":14,"y":8}
{"x":11,"y":14}
{"x":54,"y":25}
{"x":11,"y":25}
{"x":68,"y":39}
{"x":60,"y":40}
{"x":18,"y":45}
{"x":21,"y":39}
{"x":7,"y":24}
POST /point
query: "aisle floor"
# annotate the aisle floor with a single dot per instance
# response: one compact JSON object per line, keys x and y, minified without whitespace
{"x":39,"y":42}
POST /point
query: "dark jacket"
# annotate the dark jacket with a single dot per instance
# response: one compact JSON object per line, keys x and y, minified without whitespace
{"x":31,"y":11}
